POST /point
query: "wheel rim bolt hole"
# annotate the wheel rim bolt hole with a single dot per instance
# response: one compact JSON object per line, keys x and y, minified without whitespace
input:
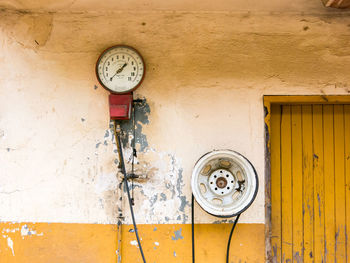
{"x":221,"y":182}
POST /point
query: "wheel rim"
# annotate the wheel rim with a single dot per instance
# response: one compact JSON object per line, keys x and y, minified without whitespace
{"x":224,"y":183}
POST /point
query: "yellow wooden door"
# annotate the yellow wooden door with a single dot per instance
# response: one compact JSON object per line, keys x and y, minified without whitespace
{"x":310,"y":183}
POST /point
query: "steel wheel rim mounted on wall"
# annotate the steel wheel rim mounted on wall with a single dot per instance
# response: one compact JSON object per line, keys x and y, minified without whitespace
{"x":224,"y":183}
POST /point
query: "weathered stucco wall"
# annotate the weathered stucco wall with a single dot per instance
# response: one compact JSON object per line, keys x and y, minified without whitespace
{"x":205,"y":78}
{"x":159,"y":5}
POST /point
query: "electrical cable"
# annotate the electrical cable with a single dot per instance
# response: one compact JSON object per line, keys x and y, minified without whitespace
{"x":120,"y":149}
{"x":229,"y":239}
{"x":192,"y":226}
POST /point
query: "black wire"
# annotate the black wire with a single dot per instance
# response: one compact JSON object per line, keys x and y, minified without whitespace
{"x":192,"y":225}
{"x":229,"y":239}
{"x":128,"y":190}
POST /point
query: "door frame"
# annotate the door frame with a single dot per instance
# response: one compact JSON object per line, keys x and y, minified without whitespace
{"x":268,"y":100}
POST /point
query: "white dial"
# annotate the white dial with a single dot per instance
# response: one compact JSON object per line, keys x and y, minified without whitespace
{"x":120,"y":69}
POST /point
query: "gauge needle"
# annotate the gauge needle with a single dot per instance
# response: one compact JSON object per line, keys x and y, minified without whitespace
{"x":118,"y":71}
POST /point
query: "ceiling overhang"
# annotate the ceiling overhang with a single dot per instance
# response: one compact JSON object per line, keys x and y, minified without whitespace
{"x":259,"y":6}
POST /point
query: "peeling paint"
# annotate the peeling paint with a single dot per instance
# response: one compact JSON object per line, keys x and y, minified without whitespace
{"x":179,"y":185}
{"x":25,"y":231}
{"x":153,"y":199}
{"x":10,"y":245}
{"x":336,"y":240}
{"x":8,"y":230}
{"x":177,"y":235}
{"x":171,"y":188}
{"x":106,"y":134}
{"x":319,"y":204}
{"x":142,"y":111}
{"x":298,"y":258}
{"x":184,"y":218}
{"x":224,"y":221}
{"x":133,"y":243}
{"x":162,"y":197}
{"x":274,"y":254}
{"x":184,"y":202}
{"x":165,"y":169}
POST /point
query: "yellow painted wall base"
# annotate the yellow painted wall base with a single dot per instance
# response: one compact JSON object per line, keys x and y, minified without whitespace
{"x":172,"y":243}
{"x":57,"y":242}
{"x":95,"y":243}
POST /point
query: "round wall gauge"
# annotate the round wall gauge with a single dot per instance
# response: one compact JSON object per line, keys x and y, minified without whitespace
{"x":120,"y":69}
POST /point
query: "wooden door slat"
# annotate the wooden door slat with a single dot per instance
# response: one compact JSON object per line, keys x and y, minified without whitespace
{"x":297,"y":184}
{"x":308,"y":195}
{"x":286,"y":175}
{"x":339,"y":183}
{"x":318,"y":159}
{"x":329,"y":183}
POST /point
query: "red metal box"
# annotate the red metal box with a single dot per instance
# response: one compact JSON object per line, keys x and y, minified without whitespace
{"x":120,"y":106}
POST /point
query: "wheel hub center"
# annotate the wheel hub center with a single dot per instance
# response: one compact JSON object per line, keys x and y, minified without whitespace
{"x":221,"y":182}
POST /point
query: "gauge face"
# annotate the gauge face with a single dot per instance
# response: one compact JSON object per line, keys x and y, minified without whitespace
{"x":120,"y":69}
